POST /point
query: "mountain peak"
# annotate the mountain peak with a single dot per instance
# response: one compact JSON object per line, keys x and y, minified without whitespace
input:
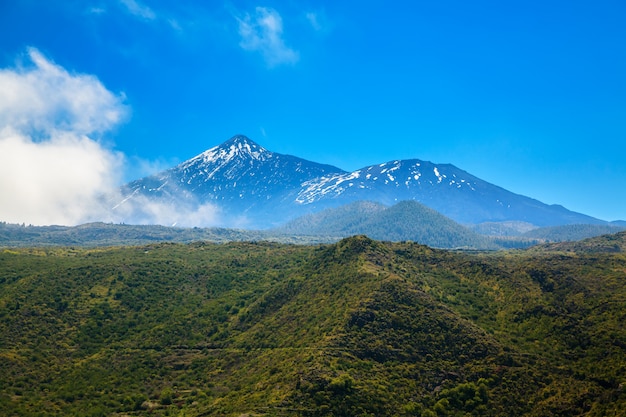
{"x":240,"y":144}
{"x":239,"y":140}
{"x":237,"y":147}
{"x":241,"y":177}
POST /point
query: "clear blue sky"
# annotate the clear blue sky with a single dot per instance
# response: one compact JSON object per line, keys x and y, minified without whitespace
{"x":528,"y":95}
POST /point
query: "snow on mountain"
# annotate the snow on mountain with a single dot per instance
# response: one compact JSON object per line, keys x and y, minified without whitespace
{"x":229,"y":157}
{"x":244,"y":182}
{"x":241,"y":183}
{"x":392,"y":178}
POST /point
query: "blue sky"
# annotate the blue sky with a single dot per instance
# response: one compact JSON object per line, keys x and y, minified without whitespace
{"x":528,"y":95}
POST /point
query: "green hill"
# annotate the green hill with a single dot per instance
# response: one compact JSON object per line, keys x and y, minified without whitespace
{"x":571,"y":232}
{"x":107,"y":234}
{"x":356,"y":328}
{"x":406,"y":220}
{"x":609,"y":243}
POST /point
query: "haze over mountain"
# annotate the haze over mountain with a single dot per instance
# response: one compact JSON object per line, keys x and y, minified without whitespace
{"x":240,"y":183}
{"x":404,"y":221}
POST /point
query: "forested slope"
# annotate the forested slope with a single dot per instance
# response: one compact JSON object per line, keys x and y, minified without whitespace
{"x":358,"y":327}
{"x":406,"y":220}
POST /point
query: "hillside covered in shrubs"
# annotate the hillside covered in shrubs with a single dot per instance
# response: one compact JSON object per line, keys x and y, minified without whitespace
{"x":355,"y":328}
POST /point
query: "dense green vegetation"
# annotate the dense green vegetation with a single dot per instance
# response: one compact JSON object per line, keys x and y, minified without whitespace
{"x":571,"y":232}
{"x":356,"y":328}
{"x":406,"y":220}
{"x":518,"y":233}
{"x":611,"y":243}
{"x":107,"y":234}
{"x":505,"y":228}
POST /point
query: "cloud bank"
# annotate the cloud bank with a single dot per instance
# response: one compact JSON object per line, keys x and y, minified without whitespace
{"x":140,"y":209}
{"x":51,"y":167}
{"x":54,"y":169}
{"x":262,"y":32}
{"x":43,"y":99}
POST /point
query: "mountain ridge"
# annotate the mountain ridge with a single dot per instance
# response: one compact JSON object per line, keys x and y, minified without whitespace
{"x":241,"y":181}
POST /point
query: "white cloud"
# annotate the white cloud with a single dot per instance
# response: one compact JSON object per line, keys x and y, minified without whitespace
{"x":262,"y":32}
{"x":138,"y":167}
{"x":46,"y":98}
{"x":97,"y":10}
{"x":319,"y":21}
{"x":138,"y":9}
{"x":56,"y":181}
{"x":140,"y":209}
{"x":52,"y":167}
{"x":314,"y":21}
{"x":175,"y":24}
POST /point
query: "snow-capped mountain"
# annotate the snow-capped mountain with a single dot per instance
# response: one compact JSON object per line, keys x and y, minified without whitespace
{"x":451,"y":191}
{"x":238,"y":181}
{"x":241,"y":183}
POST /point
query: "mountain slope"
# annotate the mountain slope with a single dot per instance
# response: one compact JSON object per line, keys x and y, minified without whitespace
{"x":339,"y":221}
{"x":442,"y":187}
{"x":572,"y":232}
{"x":354,"y":328}
{"x":240,"y":183}
{"x":240,"y":178}
{"x":106,"y":234}
{"x":406,"y":220}
{"x":609,"y":243}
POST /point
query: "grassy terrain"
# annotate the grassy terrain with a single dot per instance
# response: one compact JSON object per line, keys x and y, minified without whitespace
{"x":356,"y":328}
